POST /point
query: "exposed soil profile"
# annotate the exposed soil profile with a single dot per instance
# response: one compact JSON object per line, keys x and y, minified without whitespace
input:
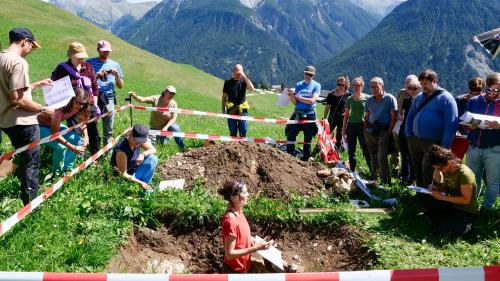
{"x":266,"y":170}
{"x":304,"y":249}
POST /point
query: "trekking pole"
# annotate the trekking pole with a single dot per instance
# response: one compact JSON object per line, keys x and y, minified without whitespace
{"x":129,"y":99}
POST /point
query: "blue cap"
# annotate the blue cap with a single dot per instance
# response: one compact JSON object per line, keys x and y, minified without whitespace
{"x":17,"y":34}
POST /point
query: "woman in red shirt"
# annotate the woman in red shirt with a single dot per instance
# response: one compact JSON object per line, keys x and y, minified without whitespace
{"x":238,"y":243}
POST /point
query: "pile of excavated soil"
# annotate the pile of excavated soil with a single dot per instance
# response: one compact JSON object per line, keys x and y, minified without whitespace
{"x":304,"y":249}
{"x":266,"y":170}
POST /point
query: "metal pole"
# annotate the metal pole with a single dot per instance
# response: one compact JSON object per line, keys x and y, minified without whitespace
{"x":129,"y":99}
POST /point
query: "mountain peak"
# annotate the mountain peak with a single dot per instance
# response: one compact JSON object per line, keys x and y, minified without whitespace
{"x":252,"y":4}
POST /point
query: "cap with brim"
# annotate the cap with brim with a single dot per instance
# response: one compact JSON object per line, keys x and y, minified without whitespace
{"x":104,"y":46}
{"x":78,"y":50}
{"x":23,"y":33}
{"x":140,"y":133}
{"x":171,"y":89}
{"x":310,"y":70}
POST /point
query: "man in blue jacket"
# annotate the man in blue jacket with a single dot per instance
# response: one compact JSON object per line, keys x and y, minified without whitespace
{"x":484,"y":151}
{"x":433,"y":119}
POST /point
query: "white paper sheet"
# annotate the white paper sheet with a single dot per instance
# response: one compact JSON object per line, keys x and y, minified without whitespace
{"x":477,"y":119}
{"x":177,"y":184}
{"x":272,"y":254}
{"x":283,"y":99}
{"x":59,"y":94}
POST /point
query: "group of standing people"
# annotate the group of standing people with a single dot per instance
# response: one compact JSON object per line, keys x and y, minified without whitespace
{"x":25,"y":121}
{"x":429,"y":120}
{"x":94,"y":83}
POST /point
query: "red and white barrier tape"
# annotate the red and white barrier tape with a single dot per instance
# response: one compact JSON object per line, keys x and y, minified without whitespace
{"x":221,"y":138}
{"x":58,"y":134}
{"x":221,"y":115}
{"x":486,"y":273}
{"x":23,"y":212}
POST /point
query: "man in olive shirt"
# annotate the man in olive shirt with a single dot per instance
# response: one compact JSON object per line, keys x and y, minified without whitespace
{"x":163,"y":121}
{"x":18,"y":111}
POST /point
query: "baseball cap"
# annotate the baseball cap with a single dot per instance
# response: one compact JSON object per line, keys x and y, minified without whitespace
{"x":310,"y":70}
{"x":23,"y":33}
{"x":77,"y":49}
{"x":140,"y":133}
{"x":104,"y":46}
{"x":171,"y":89}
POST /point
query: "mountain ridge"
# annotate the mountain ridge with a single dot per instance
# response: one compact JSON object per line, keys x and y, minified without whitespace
{"x":104,"y":13}
{"x":421,"y":34}
{"x":272,"y":39}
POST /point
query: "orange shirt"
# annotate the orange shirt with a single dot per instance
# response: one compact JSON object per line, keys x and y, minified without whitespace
{"x":237,"y":227}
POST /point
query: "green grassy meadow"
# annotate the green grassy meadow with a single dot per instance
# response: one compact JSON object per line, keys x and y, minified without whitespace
{"x":80,"y":228}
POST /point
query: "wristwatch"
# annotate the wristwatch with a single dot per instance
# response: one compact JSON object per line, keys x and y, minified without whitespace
{"x":42,"y":110}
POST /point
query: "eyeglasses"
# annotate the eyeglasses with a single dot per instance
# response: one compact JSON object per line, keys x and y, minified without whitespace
{"x":356,"y":85}
{"x":338,"y":84}
{"x":492,"y":91}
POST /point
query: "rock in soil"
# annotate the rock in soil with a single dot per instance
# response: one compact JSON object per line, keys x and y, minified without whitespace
{"x":266,"y":170}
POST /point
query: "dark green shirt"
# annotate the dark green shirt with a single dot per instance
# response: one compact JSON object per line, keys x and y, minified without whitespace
{"x":452,"y":183}
{"x":356,"y":108}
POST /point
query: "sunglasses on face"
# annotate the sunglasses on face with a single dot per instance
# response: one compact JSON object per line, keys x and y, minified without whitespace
{"x":338,"y":84}
{"x":356,"y":85}
{"x":492,"y":91}
{"x":412,"y":89}
{"x":308,"y":74}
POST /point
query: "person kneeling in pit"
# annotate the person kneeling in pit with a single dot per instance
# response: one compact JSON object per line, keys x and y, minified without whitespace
{"x":163,"y":121}
{"x":132,"y":164}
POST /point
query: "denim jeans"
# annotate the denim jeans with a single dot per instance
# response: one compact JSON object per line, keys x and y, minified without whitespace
{"x":309,"y":130}
{"x":61,"y":155}
{"x":178,"y":141}
{"x":407,"y":172}
{"x":107,"y":122}
{"x":146,"y":170}
{"x":487,"y":160}
{"x":238,"y":125}
{"x":29,"y":167}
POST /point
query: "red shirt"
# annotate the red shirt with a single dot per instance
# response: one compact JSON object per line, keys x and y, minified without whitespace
{"x":237,"y":227}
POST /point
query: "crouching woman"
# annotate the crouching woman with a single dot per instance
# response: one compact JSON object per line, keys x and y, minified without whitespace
{"x":455,"y":206}
{"x":238,"y":243}
{"x":65,"y":148}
